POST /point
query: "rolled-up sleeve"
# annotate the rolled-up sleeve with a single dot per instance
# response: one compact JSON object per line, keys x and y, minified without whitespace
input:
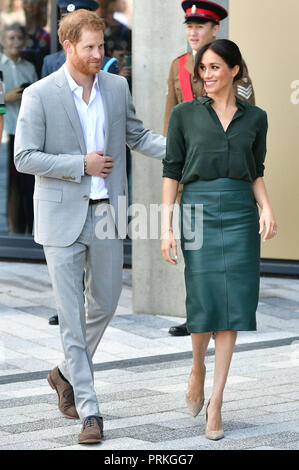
{"x":260,"y":145}
{"x":174,"y":161}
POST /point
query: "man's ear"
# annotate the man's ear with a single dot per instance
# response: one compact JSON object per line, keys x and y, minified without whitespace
{"x":68,"y":47}
{"x":216,"y":30}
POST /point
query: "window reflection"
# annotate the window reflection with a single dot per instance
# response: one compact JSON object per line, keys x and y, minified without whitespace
{"x":24,"y":40}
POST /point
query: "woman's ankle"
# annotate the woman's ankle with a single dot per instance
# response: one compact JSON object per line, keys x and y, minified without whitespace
{"x":216,"y":401}
{"x":198,"y":369}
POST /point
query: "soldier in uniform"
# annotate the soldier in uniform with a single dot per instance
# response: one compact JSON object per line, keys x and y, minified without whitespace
{"x":54,"y":61}
{"x":202,"y":19}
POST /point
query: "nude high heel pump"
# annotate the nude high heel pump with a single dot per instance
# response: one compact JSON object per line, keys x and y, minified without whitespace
{"x":213,"y":435}
{"x":195,"y":406}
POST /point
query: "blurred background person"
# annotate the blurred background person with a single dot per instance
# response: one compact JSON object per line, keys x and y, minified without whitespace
{"x":119,"y":52}
{"x":38,"y":39}
{"x":115,"y":30}
{"x":124,"y":11}
{"x":11,"y":11}
{"x":18,"y":73}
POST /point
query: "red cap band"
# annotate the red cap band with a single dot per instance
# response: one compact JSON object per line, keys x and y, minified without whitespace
{"x":204,"y":13}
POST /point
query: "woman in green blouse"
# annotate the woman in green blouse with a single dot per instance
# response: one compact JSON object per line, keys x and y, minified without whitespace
{"x":216,"y":147}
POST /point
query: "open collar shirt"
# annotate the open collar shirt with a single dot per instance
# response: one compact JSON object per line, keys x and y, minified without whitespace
{"x":92,"y":118}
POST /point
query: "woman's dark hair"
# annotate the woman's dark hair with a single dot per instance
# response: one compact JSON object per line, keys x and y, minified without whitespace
{"x":227,"y":50}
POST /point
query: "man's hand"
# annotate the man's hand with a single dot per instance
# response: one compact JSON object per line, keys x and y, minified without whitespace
{"x":14,"y":94}
{"x":98,"y":165}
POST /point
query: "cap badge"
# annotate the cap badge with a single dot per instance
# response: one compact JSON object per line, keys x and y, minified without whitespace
{"x":71,"y":7}
{"x":193,"y":10}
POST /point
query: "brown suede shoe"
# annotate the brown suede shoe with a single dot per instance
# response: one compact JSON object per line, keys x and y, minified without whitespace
{"x":92,"y":430}
{"x":65,"y":392}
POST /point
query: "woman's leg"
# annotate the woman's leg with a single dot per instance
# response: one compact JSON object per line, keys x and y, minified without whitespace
{"x":200,"y":342}
{"x":224,"y":347}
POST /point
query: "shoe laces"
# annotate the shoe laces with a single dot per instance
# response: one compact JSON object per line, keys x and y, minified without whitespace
{"x":89,"y":422}
{"x":68,"y":393}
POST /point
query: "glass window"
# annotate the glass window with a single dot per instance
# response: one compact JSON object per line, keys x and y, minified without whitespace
{"x":25,"y":40}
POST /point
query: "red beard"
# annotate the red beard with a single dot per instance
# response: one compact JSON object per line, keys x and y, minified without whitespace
{"x":86,"y":67}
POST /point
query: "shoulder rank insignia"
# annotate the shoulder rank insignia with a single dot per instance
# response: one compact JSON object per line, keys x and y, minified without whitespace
{"x":245,"y":92}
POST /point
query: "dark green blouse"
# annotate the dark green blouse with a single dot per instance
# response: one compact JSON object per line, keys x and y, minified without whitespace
{"x":199,"y":148}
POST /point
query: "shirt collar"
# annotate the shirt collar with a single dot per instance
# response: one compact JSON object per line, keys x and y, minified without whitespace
{"x":205,"y":99}
{"x":74,"y":85}
{"x":5,"y":59}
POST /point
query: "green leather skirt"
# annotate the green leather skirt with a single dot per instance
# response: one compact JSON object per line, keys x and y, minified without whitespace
{"x":222,"y":274}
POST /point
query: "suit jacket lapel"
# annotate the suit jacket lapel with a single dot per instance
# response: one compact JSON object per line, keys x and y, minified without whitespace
{"x":106,"y":97}
{"x":107,"y":103}
{"x":68,"y":103}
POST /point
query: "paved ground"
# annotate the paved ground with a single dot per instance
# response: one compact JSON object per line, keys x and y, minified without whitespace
{"x":141,"y":374}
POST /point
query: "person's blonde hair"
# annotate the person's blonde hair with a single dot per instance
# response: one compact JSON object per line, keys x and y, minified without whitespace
{"x":71,"y":25}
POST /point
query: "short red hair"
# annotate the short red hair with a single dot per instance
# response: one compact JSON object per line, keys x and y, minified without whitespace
{"x":71,"y":25}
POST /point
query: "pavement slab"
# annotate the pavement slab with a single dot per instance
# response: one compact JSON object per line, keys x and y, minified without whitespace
{"x":141,"y":374}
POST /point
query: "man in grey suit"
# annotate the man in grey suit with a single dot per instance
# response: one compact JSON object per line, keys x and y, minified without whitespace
{"x":53,"y":62}
{"x":71,"y":134}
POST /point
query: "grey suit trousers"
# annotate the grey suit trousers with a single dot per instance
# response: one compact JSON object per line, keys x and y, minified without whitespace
{"x":84,"y":316}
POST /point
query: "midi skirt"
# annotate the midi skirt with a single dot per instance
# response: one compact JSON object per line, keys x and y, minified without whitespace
{"x":221,"y":246}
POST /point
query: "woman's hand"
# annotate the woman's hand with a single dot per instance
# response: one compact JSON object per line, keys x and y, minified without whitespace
{"x":168,"y":244}
{"x":268,"y":223}
{"x":267,"y":219}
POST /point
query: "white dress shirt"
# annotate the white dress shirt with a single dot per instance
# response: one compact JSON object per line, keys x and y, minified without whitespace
{"x":92,"y":118}
{"x":14,"y":75}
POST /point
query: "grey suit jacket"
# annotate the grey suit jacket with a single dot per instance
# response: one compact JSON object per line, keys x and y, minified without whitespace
{"x":49,"y":144}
